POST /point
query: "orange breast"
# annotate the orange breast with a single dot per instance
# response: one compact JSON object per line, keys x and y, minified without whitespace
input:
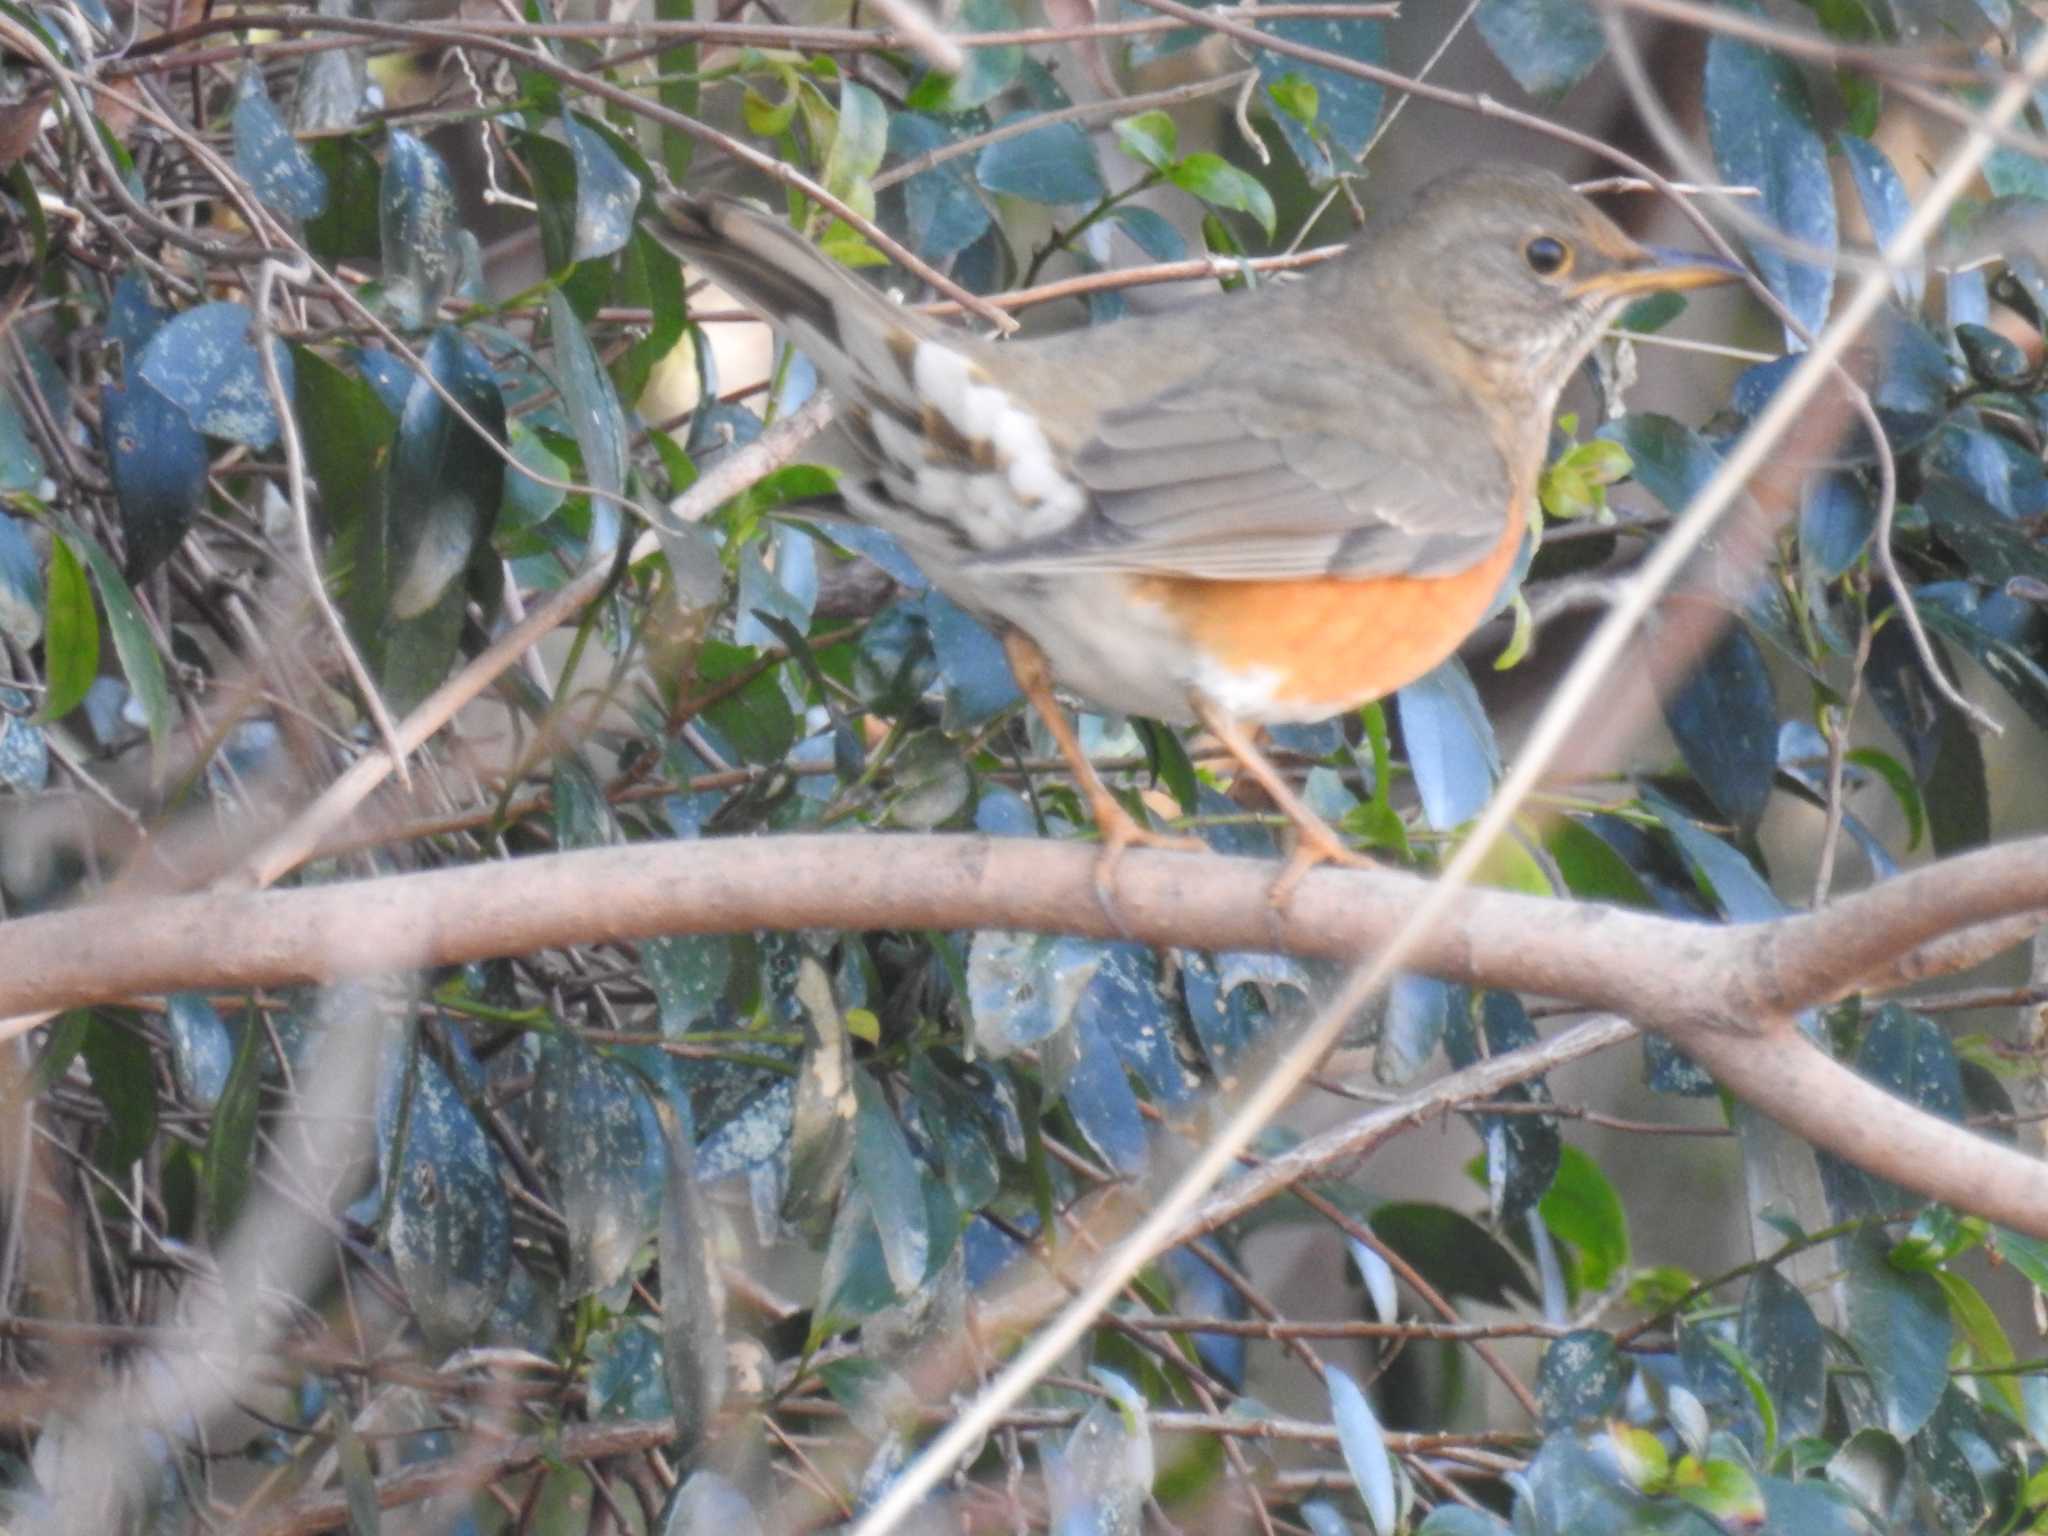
{"x":1333,"y":643}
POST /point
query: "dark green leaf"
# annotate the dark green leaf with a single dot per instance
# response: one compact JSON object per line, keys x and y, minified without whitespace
{"x":230,"y":1157}
{"x":603,"y":1147}
{"x":1347,"y":106}
{"x":692,"y":1292}
{"x":1898,"y":1324}
{"x":124,"y":1078}
{"x":1547,"y":45}
{"x":893,"y":1180}
{"x":1724,"y":718}
{"x":201,"y":1050}
{"x":1452,"y":1252}
{"x":1450,"y":745}
{"x":943,"y":213}
{"x":133,"y":643}
{"x":348,"y":229}
{"x":1886,"y":206}
{"x":157,"y":461}
{"x":607,"y":192}
{"x":417,"y":216}
{"x":595,"y":418}
{"x":1782,"y":1339}
{"x":450,"y":1223}
{"x":1761,"y":123}
{"x":447,"y":481}
{"x":988,"y":72}
{"x":280,"y":173}
{"x":205,"y":363}
{"x":1052,"y":164}
{"x":1581,"y":1378}
{"x":1836,"y":520}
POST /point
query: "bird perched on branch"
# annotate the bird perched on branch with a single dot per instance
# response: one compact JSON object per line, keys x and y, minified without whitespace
{"x":1259,"y":508}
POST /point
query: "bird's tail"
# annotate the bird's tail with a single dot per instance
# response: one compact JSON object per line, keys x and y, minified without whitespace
{"x":847,"y":328}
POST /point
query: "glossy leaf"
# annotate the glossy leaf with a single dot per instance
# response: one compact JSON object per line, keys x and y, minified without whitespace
{"x":1347,"y":106}
{"x":1547,"y":45}
{"x":1450,"y":745}
{"x":1898,"y":1324}
{"x":1582,"y":1208}
{"x":1886,"y":206}
{"x":1364,"y":1445}
{"x":201,"y":1049}
{"x":603,"y":1147}
{"x":893,"y":1180}
{"x":447,"y":481}
{"x":594,"y":416}
{"x":1580,"y":1379}
{"x":1222,"y":185}
{"x":692,"y":1290}
{"x":1452,"y":1252}
{"x":607,"y":192}
{"x":156,"y":459}
{"x":1781,"y":1337}
{"x":1761,"y":124}
{"x":1412,"y":1026}
{"x":417,"y":220}
{"x":1053,"y":164}
{"x":987,"y":72}
{"x":280,"y":173}
{"x":205,"y":362}
{"x":71,"y":635}
{"x":943,"y":212}
{"x":449,"y":1227}
{"x":1725,"y":720}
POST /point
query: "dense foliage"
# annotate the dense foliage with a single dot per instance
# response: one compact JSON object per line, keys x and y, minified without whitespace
{"x":650,"y":1236}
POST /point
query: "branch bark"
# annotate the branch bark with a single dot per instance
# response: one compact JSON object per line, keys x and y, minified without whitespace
{"x":1727,"y":994}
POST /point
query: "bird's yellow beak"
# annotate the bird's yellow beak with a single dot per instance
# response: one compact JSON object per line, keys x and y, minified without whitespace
{"x":1659,"y":269}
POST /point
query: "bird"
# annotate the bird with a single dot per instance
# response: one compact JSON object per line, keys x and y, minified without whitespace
{"x":1258,"y":508}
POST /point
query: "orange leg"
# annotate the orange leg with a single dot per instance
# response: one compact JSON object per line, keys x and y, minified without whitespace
{"x":1316,"y":842}
{"x":1118,"y":828}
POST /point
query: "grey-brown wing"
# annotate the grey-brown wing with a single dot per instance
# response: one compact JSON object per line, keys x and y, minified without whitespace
{"x":1236,"y":483}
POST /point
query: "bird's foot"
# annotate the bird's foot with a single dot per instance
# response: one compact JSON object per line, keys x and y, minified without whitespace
{"x":1121,"y":831}
{"x":1316,"y":842}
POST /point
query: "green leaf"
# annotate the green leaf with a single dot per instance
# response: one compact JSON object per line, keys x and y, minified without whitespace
{"x":858,"y":145}
{"x":1782,"y":1339}
{"x":1582,"y":1208}
{"x":1760,"y":120}
{"x":1900,"y":1327}
{"x":1150,"y":138}
{"x":1297,"y":97}
{"x":1547,"y":45}
{"x":71,"y":635}
{"x":1981,"y":1330}
{"x":1581,"y":1378}
{"x":678,"y":89}
{"x":1222,"y":185}
{"x":987,"y":73}
{"x":230,"y":1158}
{"x":1054,"y":164}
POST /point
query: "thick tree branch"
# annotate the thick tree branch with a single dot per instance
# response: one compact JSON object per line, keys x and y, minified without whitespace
{"x":1725,"y":993}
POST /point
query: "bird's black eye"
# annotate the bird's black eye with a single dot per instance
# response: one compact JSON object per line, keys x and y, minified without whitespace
{"x":1546,"y":256}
